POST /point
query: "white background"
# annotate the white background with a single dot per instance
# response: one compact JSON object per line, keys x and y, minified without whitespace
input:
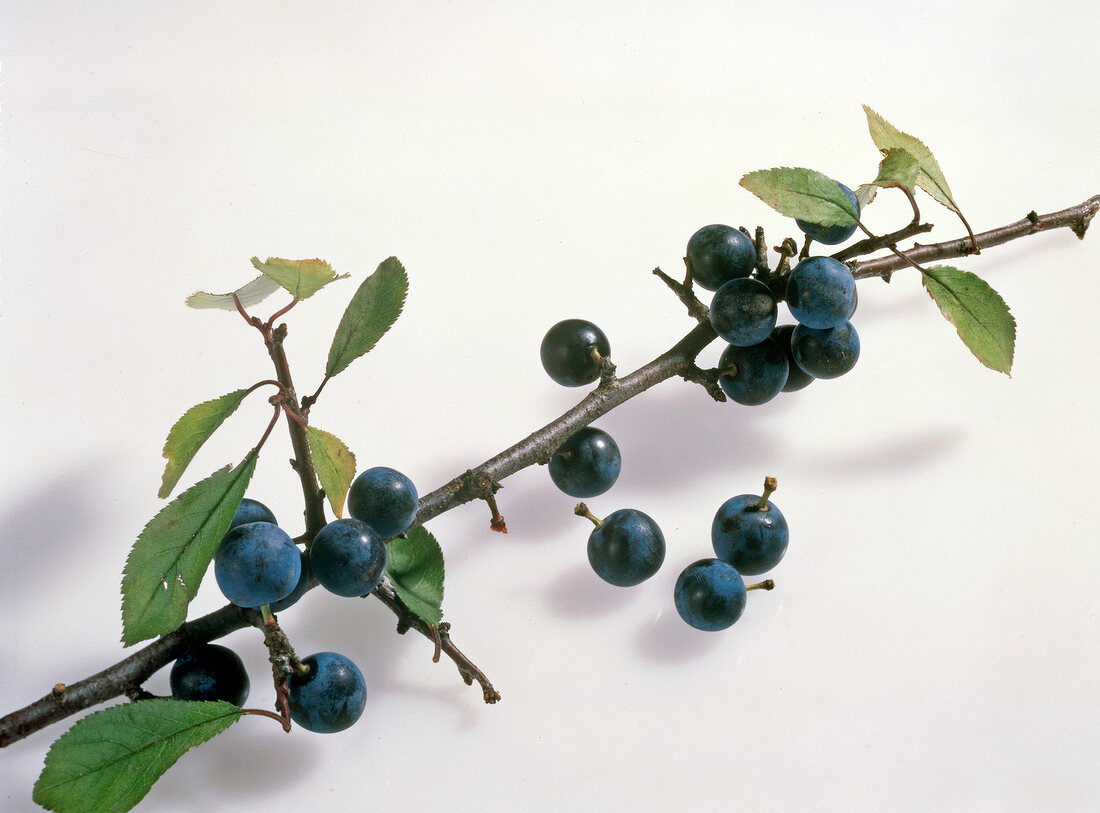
{"x":932,"y":641}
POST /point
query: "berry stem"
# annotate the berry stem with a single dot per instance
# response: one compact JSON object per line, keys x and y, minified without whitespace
{"x":767,"y":584}
{"x":770,"y":485}
{"x":581,"y":510}
{"x":283,"y":721}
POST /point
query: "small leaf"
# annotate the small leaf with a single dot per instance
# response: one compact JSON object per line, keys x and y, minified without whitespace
{"x":978,"y":313}
{"x":929,"y":175}
{"x":865,"y":194}
{"x":335,"y":465}
{"x":170,"y":557}
{"x":253,"y":293}
{"x":803,"y":194}
{"x":371,"y":312}
{"x":414,"y":566}
{"x":191,"y":431}
{"x":109,"y":760}
{"x":899,"y":169}
{"x":303,"y":278}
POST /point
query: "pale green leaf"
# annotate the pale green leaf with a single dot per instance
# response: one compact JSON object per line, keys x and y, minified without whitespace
{"x":371,"y":312}
{"x":253,"y":293}
{"x":865,"y":194}
{"x":302,"y":278}
{"x":978,"y":313}
{"x":109,"y":760}
{"x":167,"y":562}
{"x":929,"y":176}
{"x":335,"y":466}
{"x":414,"y":566}
{"x":899,"y":169}
{"x":191,"y":431}
{"x":804,"y":194}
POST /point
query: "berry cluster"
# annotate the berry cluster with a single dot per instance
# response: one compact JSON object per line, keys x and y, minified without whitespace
{"x":761,"y":357}
{"x":259,"y":565}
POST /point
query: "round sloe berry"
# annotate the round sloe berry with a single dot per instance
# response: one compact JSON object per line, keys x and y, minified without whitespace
{"x":566,"y":352}
{"x":256,"y":564}
{"x":710,"y":595}
{"x":751,"y":540}
{"x":348,"y":558}
{"x":330,"y":696}
{"x":209,"y":672}
{"x":743,"y":311}
{"x":627,"y":548}
{"x":825,"y":353}
{"x":587,"y":464}
{"x":761,"y":371}
{"x":821,"y":293}
{"x":717,"y":253}
{"x":385,"y":499}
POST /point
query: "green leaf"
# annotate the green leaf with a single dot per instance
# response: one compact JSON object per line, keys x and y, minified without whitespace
{"x":899,"y":169}
{"x":803,"y":194}
{"x":977,"y":312}
{"x":929,"y":176}
{"x":371,"y":312}
{"x":335,"y":465}
{"x":414,"y":566}
{"x":191,"y":431}
{"x":303,"y":278}
{"x":253,"y":293}
{"x":109,"y":760}
{"x":170,"y":557}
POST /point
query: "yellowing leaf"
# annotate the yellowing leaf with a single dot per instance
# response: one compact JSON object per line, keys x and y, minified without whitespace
{"x":335,"y":466}
{"x":303,"y":278}
{"x":252,"y":293}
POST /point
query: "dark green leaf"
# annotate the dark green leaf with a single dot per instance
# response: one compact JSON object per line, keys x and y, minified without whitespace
{"x":929,"y":176}
{"x":415,"y":569}
{"x":109,"y":760}
{"x":977,"y":312}
{"x":248,"y":295}
{"x":371,"y":312}
{"x":335,"y":466}
{"x":803,"y":194}
{"x":191,"y":431}
{"x":898,"y":168}
{"x":303,"y":278}
{"x":170,"y":557}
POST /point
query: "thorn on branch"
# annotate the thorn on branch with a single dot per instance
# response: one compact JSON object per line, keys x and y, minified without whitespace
{"x":686,"y":294}
{"x":708,"y":379}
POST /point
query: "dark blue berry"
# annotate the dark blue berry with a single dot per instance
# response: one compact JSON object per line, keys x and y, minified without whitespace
{"x":348,"y":558}
{"x":587,"y":464}
{"x":751,"y":540}
{"x":330,"y":696}
{"x":257,"y":564}
{"x":627,"y":548}
{"x":825,"y":353}
{"x":710,"y":594}
{"x":209,"y":672}
{"x":797,"y":378}
{"x":743,"y":311}
{"x":385,"y":499}
{"x":567,"y":355}
{"x":821,"y":293}
{"x":299,"y":589}
{"x":761,"y":371}
{"x":252,"y":511}
{"x":832,"y":235}
{"x":716,"y":254}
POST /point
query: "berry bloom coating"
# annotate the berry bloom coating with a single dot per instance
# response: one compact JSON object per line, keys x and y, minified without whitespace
{"x":252,"y":511}
{"x":587,"y":464}
{"x":710,"y":595}
{"x":743,"y":311}
{"x":825,"y":353}
{"x":751,"y":540}
{"x":257,"y":564}
{"x":761,"y":372}
{"x":567,"y":355}
{"x":831,"y":235}
{"x":821,"y":293}
{"x":797,"y":378}
{"x":627,"y":548}
{"x":299,"y":589}
{"x":718,"y":254}
{"x":330,"y":696}
{"x":348,"y":558}
{"x":385,"y":499}
{"x":209,"y":672}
